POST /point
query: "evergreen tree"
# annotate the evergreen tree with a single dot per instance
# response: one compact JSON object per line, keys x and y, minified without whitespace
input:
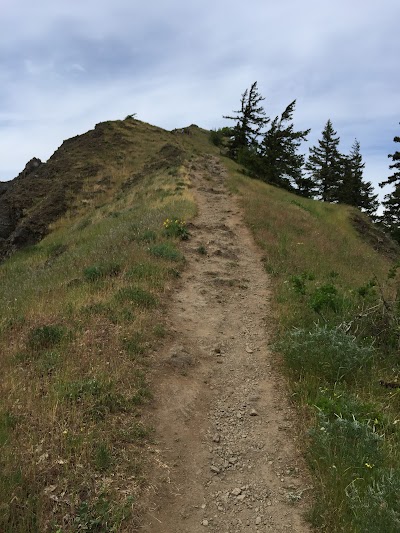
{"x":325,"y":164}
{"x":391,"y":203}
{"x":395,"y":177}
{"x":305,"y":186}
{"x":369,"y":200}
{"x":391,"y":214}
{"x":352,"y":189}
{"x":250,"y":120}
{"x":281,"y":164}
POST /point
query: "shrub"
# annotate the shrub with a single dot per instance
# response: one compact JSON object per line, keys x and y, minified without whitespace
{"x":368,"y":289}
{"x":326,"y":352}
{"x":166,"y":250}
{"x":377,"y":508}
{"x":45,"y":337}
{"x":351,"y":446}
{"x":217,"y":137}
{"x":202,"y":250}
{"x":299,"y":281}
{"x":176,"y":227}
{"x":326,"y":298}
{"x":341,"y":451}
{"x":299,"y":284}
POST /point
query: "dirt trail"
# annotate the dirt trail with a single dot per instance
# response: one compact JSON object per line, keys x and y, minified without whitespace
{"x":226,"y":450}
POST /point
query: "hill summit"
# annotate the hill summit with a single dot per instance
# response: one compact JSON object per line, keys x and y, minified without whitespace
{"x":84,"y":170}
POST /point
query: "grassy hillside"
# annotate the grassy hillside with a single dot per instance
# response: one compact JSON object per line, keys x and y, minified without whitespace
{"x":79,"y":313}
{"x":85,"y":171}
{"x":82,"y":309}
{"x":336,"y":307}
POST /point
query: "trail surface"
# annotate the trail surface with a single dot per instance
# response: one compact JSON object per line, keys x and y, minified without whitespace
{"x":225,"y":454}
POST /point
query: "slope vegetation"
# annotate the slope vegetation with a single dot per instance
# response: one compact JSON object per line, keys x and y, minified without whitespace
{"x":91,"y":251}
{"x":335,"y":286}
{"x":86,"y":170}
{"x":79,"y":311}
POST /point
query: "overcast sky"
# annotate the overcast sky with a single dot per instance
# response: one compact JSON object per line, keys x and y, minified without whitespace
{"x":68,"y":64}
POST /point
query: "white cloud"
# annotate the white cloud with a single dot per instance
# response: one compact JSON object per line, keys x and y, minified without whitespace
{"x":68,"y":65}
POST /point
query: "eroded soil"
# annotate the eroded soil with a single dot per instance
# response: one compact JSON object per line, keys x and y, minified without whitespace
{"x":225,"y":454}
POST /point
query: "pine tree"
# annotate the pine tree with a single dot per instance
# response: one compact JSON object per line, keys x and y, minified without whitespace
{"x":369,"y":200}
{"x":352,"y":189}
{"x":391,"y":213}
{"x":395,"y":177}
{"x":250,"y":120}
{"x":391,"y":203}
{"x":325,"y":164}
{"x":281,"y":164}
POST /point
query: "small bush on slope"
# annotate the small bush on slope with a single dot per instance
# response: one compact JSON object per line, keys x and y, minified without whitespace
{"x":325,"y":352}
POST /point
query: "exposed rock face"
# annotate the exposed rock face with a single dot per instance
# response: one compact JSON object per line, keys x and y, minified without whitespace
{"x":42,"y":192}
{"x":3,"y":187}
{"x":78,"y":170}
{"x":10,"y":211}
{"x":30,"y":167}
{"x":8,"y":219}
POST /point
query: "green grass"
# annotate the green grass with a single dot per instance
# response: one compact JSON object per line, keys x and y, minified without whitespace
{"x":166,"y":250}
{"x":326,"y":353}
{"x":44,"y":337}
{"x":80,"y":310}
{"x":96,"y":272}
{"x":78,"y":314}
{"x":336,"y":321}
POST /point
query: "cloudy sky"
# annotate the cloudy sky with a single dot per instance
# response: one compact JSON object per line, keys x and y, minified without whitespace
{"x":68,"y":64}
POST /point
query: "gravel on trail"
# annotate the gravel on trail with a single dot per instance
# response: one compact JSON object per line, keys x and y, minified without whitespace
{"x":226,"y":458}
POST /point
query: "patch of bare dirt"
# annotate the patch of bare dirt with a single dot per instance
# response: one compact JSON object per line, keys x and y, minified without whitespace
{"x":226,"y":457}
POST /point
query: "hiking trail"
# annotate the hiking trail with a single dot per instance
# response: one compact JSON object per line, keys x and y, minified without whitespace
{"x":225,"y":452}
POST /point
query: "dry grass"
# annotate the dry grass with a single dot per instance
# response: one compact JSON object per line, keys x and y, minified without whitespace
{"x":321,"y":269}
{"x":79,"y":313}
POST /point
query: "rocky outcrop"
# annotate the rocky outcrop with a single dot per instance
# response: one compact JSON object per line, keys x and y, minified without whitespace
{"x":3,"y":186}
{"x":31,"y":166}
{"x":41,"y":193}
{"x":11,"y":211}
{"x":78,"y":171}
